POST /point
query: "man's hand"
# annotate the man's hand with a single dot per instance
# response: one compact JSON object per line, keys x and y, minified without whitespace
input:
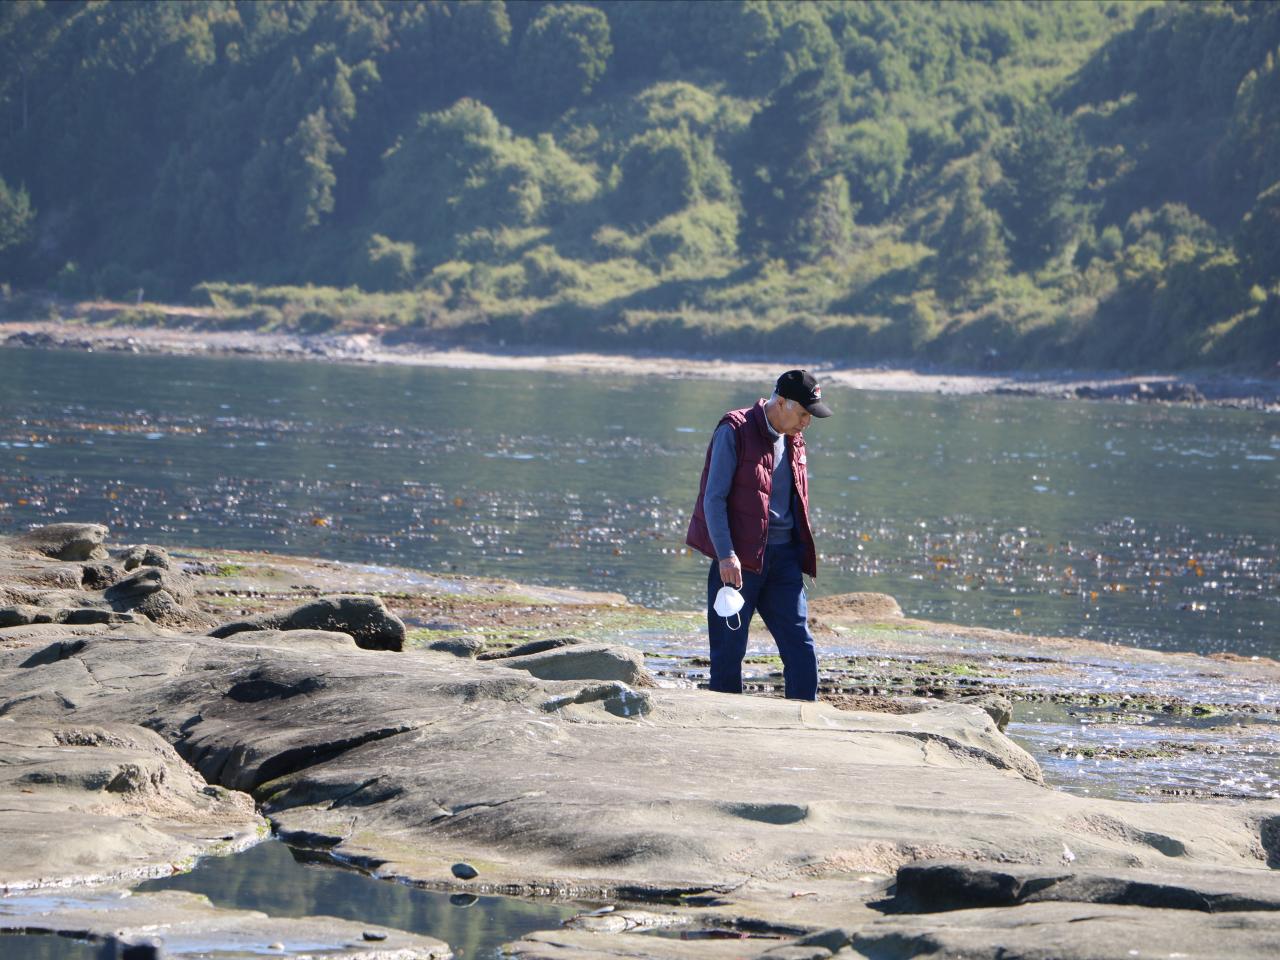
{"x":731,"y":572}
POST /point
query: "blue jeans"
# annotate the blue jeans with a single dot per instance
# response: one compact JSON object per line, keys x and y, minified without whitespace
{"x":777,"y":593}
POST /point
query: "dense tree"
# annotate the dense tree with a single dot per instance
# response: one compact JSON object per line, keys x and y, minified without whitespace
{"x":1155,"y":98}
{"x":1250,"y":158}
{"x":308,"y":173}
{"x":1260,"y":237}
{"x":563,"y":55}
{"x":474,"y":46}
{"x":792,"y":193}
{"x":971,"y":249}
{"x":389,"y":265}
{"x":16,"y":217}
{"x":262,"y":203}
{"x":1183,"y":57}
{"x":825,"y":226}
{"x":1166,"y":226}
{"x":664,"y":171}
{"x":1044,"y":171}
{"x":462,"y":171}
{"x":874,"y":155}
{"x":705,"y":167}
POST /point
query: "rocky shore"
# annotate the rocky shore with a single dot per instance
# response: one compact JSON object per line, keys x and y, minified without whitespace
{"x":486,"y":737}
{"x":184,"y":335}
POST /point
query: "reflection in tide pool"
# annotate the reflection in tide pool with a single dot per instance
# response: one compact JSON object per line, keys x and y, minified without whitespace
{"x":273,"y":879}
{"x":1142,"y":524}
{"x":52,"y":948}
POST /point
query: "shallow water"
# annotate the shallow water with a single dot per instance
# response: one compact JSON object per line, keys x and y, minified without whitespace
{"x":51,"y":948}
{"x":272,"y":878}
{"x":1151,"y":758}
{"x":1147,"y":525}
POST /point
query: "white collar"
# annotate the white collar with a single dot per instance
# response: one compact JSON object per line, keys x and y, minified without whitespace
{"x":769,"y":426}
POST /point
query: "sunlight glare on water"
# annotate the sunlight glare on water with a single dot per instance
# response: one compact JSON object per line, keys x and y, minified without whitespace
{"x":1142,"y":524}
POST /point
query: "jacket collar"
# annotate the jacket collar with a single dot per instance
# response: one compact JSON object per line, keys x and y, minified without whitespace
{"x":761,"y":421}
{"x":767,"y":434}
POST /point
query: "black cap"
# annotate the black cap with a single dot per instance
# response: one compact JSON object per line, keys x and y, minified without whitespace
{"x":800,"y":386}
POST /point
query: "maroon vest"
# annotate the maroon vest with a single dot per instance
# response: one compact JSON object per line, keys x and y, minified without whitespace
{"x":748,"y":500}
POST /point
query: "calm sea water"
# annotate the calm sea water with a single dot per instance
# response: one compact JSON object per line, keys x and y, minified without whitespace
{"x":1147,"y":525}
{"x":278,"y":881}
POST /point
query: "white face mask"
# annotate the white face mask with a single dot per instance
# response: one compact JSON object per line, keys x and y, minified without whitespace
{"x":728,"y":602}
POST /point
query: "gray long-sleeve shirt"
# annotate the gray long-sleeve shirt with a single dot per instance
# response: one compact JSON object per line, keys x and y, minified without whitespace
{"x":724,"y":463}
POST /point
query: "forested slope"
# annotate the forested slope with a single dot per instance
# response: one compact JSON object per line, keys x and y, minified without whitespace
{"x":997,"y":184}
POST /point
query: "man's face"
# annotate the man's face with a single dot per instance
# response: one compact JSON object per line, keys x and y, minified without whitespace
{"x":793,"y":417}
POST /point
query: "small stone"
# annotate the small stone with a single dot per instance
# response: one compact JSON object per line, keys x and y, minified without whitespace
{"x":19,"y":615}
{"x":464,"y":871}
{"x":458,"y":646}
{"x":145,"y":555}
{"x":374,"y":935}
{"x":99,"y":574}
{"x":998,"y":708}
{"x":275,"y":946}
{"x":532,"y":647}
{"x":366,"y":619}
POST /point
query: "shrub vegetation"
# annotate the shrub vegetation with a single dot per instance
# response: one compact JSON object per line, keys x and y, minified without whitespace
{"x":998,"y":184}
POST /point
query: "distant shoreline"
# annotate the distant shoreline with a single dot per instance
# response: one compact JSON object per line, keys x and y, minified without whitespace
{"x":1215,"y":388}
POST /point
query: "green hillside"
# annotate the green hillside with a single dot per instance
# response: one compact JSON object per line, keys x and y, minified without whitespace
{"x":975,"y":184}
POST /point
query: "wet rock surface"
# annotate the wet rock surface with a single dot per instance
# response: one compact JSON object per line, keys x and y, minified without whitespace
{"x":1167,"y":391}
{"x":543,"y":772}
{"x":1070,"y":931}
{"x":158,"y":925}
{"x":934,"y":887}
{"x":571,"y":944}
{"x":856,"y":606}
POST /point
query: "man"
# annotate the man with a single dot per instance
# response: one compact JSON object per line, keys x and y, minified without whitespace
{"x":752,"y":520}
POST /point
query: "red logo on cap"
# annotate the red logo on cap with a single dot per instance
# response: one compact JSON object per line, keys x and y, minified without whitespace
{"x":817,"y":393}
